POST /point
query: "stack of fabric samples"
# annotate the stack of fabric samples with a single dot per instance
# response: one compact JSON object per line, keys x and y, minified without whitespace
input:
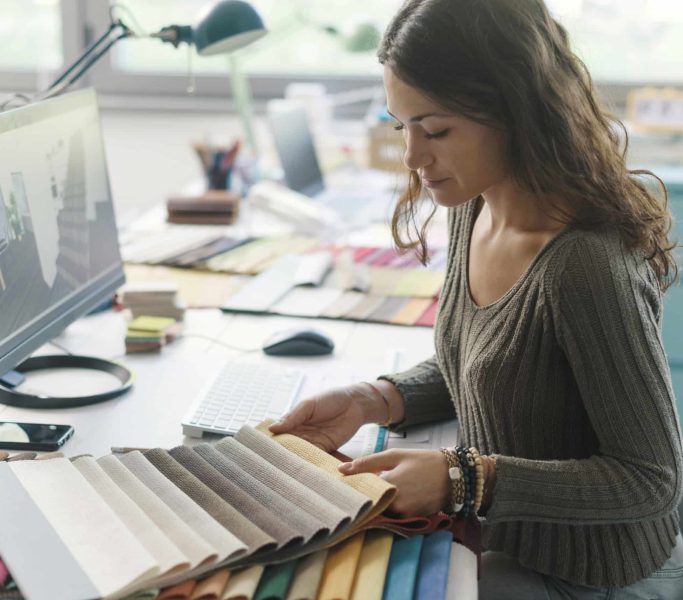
{"x":149,"y":334}
{"x":254,"y":516}
{"x":160,"y":299}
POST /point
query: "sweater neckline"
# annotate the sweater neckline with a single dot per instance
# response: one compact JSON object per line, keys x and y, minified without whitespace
{"x":522,"y":278}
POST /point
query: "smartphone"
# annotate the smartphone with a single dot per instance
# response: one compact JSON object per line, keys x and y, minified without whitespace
{"x":33,"y":436}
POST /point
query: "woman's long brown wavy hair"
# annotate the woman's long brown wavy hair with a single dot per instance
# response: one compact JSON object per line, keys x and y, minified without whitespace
{"x":508,"y":63}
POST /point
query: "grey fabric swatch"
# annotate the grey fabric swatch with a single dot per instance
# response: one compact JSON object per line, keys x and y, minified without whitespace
{"x":313,"y":478}
{"x":310,"y":527}
{"x":227,"y":515}
{"x":259,"y":514}
{"x":27,"y":539}
{"x":289,"y":488}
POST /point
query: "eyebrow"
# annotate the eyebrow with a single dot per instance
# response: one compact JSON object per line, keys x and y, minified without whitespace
{"x":418,"y":118}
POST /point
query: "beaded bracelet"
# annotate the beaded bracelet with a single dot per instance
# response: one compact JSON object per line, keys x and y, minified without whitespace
{"x":456,"y":500}
{"x":479,"y":488}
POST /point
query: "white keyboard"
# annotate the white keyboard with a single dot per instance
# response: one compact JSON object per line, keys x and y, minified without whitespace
{"x":242,"y":393}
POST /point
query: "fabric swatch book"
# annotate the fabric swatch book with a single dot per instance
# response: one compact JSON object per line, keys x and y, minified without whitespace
{"x":209,"y":517}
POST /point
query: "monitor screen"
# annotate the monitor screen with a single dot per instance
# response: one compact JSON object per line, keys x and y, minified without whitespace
{"x":59,"y":252}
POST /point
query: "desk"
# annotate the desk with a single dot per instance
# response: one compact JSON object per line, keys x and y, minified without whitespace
{"x":150,"y":414}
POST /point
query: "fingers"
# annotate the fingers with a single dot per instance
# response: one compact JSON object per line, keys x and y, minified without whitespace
{"x":374,"y":463}
{"x":299,"y":415}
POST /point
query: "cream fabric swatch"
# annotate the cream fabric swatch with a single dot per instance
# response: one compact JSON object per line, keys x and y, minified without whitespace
{"x":340,"y":569}
{"x":332,"y":489}
{"x":307,"y":577}
{"x":243,"y":584}
{"x":192,"y":545}
{"x":170,"y":559}
{"x":372,"y":566}
{"x":309,"y":527}
{"x":305,"y":498}
{"x":106,"y":549}
{"x":224,"y":542}
{"x":374,"y":487}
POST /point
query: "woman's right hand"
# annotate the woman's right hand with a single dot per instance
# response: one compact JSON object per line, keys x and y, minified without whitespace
{"x":331,"y":418}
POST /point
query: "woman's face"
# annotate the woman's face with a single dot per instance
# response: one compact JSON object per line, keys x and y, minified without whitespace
{"x":456,"y":158}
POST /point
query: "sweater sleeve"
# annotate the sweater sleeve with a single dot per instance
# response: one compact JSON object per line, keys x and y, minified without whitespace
{"x":425,"y":394}
{"x":605,"y":305}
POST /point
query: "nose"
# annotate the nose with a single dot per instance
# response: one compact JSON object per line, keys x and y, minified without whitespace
{"x":416,"y":155}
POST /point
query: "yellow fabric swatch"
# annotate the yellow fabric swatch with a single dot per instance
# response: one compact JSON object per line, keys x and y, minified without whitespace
{"x":372,"y":566}
{"x":420,"y":283}
{"x":340,"y":569}
{"x":412,"y":311}
{"x":374,"y":487}
{"x":242,"y":584}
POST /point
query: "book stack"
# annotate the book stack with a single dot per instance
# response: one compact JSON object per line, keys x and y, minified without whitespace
{"x":214,"y":207}
{"x":158,"y":299}
{"x":150,"y":334}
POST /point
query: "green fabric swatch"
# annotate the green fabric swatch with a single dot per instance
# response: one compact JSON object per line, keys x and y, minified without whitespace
{"x":275,"y":581}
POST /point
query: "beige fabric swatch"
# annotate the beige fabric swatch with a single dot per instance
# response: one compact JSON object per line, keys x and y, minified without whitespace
{"x":303,"y":497}
{"x":212,"y":587}
{"x":312,"y":477}
{"x":243,"y":584}
{"x":340,"y":569}
{"x":372,"y":566}
{"x":192,"y":545}
{"x":374,"y":487}
{"x":170,"y":559}
{"x":307,"y":577}
{"x":309,"y":527}
{"x":225,"y":543}
{"x":108,"y":552}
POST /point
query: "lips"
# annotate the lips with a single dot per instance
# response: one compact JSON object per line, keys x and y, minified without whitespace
{"x":430,"y":183}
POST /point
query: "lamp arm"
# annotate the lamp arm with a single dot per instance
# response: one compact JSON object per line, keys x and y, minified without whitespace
{"x":91,"y":55}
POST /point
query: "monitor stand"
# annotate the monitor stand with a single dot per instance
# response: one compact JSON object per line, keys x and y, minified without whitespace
{"x":12,"y":397}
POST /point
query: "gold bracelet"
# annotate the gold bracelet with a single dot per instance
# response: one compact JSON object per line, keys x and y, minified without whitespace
{"x":479,"y":487}
{"x":375,"y":389}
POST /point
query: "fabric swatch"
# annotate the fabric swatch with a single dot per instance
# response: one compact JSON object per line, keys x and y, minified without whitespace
{"x":379,"y":491}
{"x":411,"y":312}
{"x":402,"y":571}
{"x":386,"y":311}
{"x":197,"y":550}
{"x":365,"y":307}
{"x":224,"y":542}
{"x":303,"y":497}
{"x":242,"y":584}
{"x":155,"y":541}
{"x":202,"y":495}
{"x":107,"y":551}
{"x":290,"y":514}
{"x":212,"y":587}
{"x":432,"y":573}
{"x":28,"y":540}
{"x":148,"y":594}
{"x":332,"y":489}
{"x":266,"y":530}
{"x":4,"y":573}
{"x":372,"y":566}
{"x":340,"y":569}
{"x":275,"y":581}
{"x":307,"y":577}
{"x":50,"y":455}
{"x":22,"y":456}
{"x":181,"y":591}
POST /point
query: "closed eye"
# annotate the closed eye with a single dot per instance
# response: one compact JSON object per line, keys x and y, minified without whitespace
{"x":439,"y":134}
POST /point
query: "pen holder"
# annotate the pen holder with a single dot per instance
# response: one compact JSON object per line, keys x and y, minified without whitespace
{"x":213,"y":207}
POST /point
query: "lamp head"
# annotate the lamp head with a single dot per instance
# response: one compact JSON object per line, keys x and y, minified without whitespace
{"x":227,"y":26}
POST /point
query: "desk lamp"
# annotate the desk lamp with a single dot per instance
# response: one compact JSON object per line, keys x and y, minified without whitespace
{"x":227,"y":26}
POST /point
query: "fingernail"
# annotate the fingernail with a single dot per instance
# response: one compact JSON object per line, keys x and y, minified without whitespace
{"x":345,"y":466}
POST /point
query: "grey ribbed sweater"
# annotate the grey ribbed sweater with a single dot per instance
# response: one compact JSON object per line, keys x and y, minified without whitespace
{"x":565,"y":380}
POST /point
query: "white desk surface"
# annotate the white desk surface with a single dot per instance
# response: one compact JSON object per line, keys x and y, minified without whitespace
{"x":150,"y":414}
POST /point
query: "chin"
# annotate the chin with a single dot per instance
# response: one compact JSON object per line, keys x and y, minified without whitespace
{"x":447,"y":199}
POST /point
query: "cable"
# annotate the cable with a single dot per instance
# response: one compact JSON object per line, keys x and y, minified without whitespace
{"x":220,"y":342}
{"x":62,"y":348}
{"x":140,"y":31}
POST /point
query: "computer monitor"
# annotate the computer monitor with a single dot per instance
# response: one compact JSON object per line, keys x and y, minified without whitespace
{"x":59,"y":251}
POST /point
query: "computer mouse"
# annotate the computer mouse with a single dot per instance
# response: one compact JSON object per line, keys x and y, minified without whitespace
{"x":298,"y":342}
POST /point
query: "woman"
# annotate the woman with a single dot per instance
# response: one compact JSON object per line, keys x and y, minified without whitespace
{"x":548,"y":345}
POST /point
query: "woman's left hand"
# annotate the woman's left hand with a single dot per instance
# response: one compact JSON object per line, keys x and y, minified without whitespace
{"x":420,"y":476}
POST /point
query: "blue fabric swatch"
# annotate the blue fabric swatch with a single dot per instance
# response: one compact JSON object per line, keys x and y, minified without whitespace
{"x":432,"y":573}
{"x":402,"y":571}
